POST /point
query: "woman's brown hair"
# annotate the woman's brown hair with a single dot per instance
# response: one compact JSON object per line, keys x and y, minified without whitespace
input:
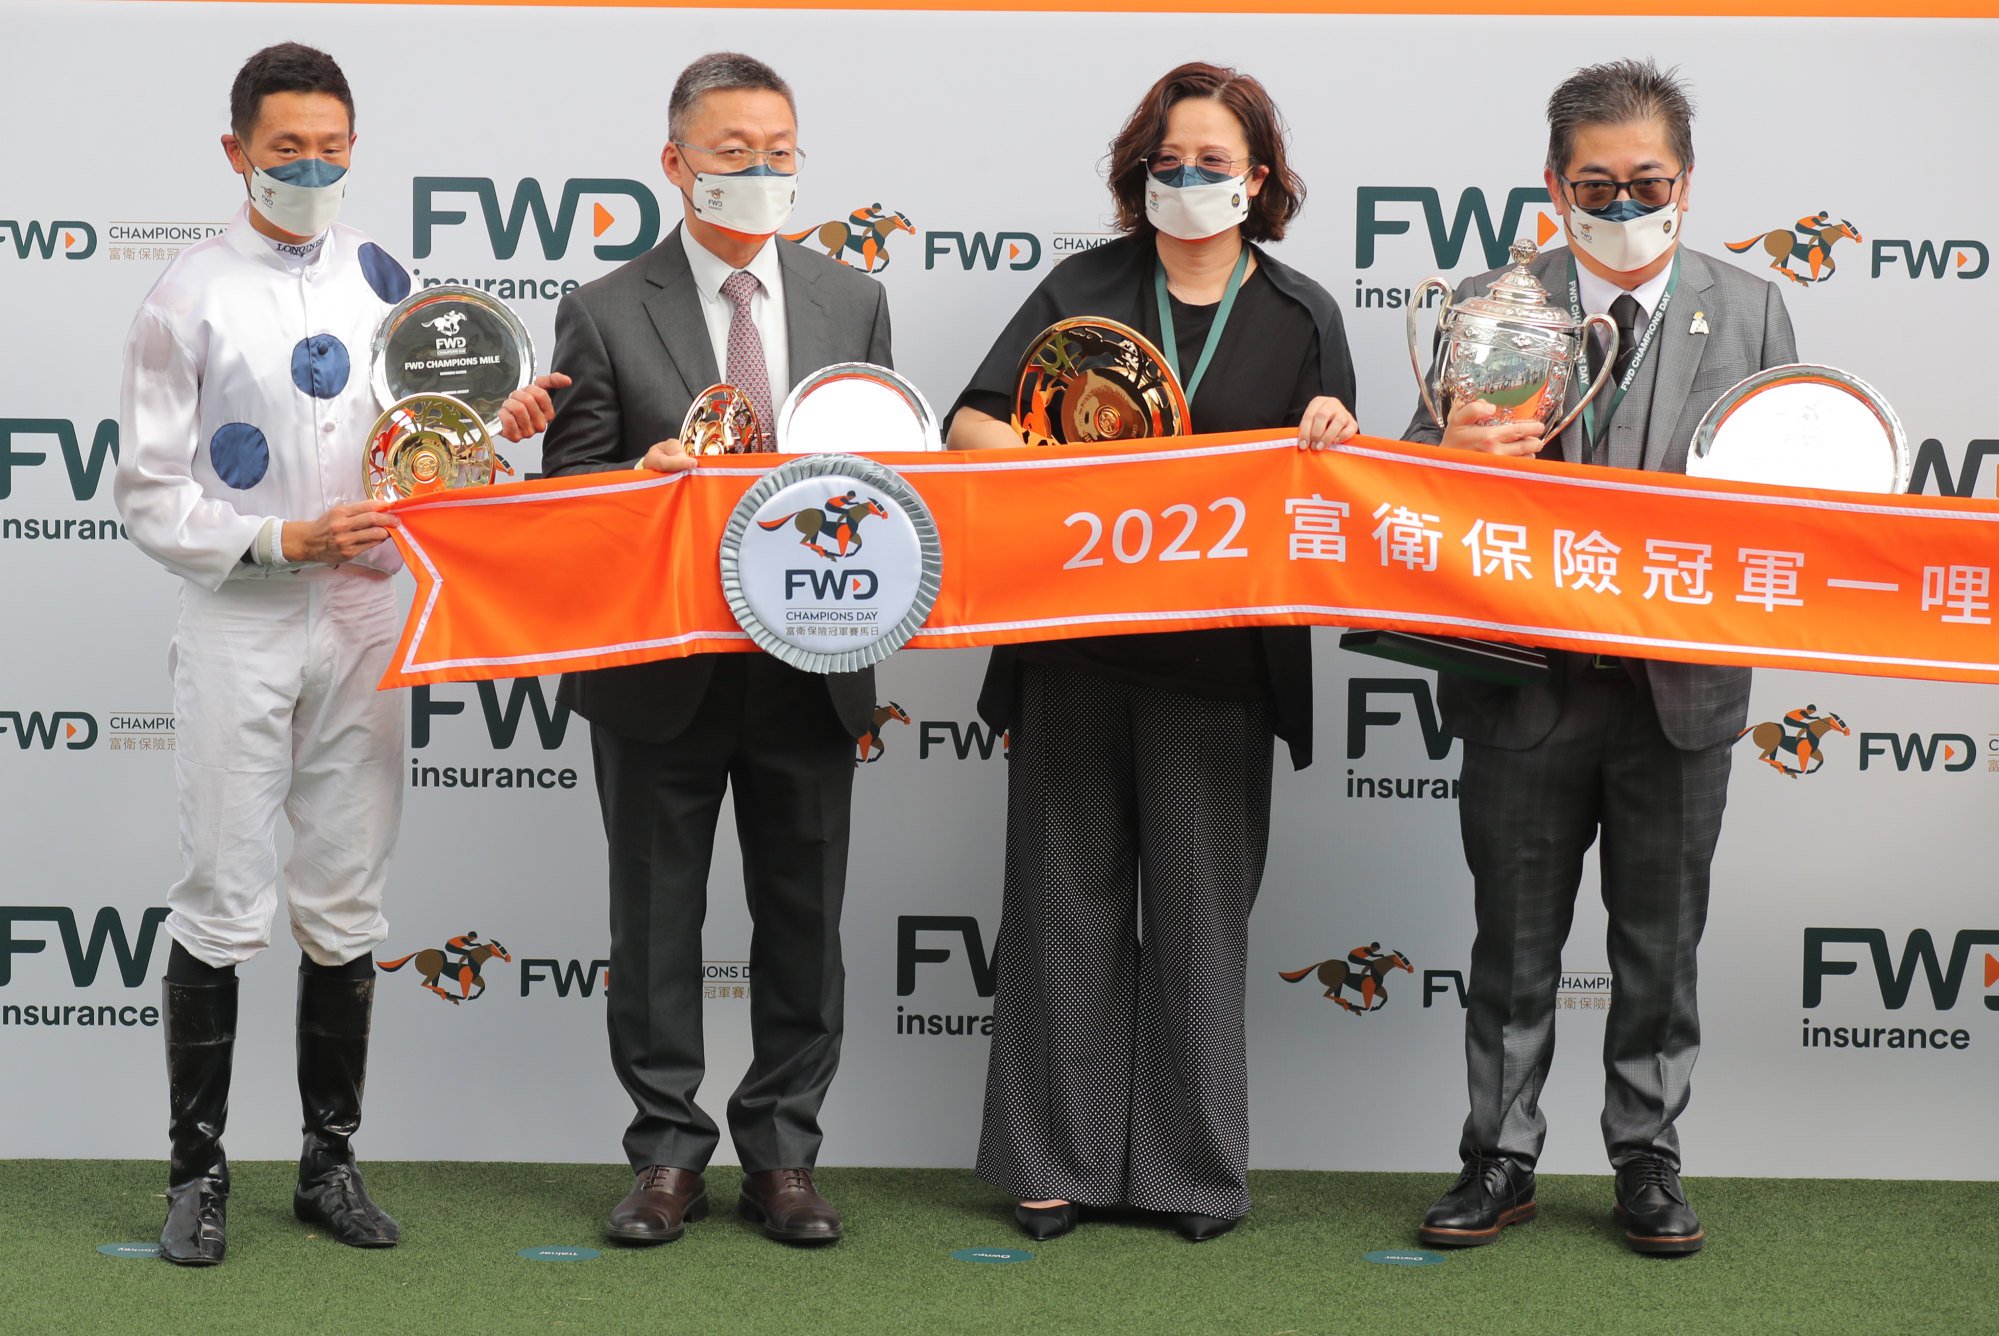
{"x":1282,"y":193}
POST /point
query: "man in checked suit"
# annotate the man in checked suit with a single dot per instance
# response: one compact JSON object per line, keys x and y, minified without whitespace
{"x":721,"y":298}
{"x":1632,"y":749}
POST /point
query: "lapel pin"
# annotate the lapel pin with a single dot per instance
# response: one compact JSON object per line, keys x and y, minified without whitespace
{"x":1699,"y":326}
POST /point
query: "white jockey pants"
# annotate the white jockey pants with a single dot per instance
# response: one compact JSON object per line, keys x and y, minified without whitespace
{"x":276,"y":711}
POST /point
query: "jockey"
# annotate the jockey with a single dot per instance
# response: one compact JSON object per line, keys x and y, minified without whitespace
{"x":1801,"y":719}
{"x":1810,"y":244}
{"x":863,"y":219}
{"x":1360,"y":956}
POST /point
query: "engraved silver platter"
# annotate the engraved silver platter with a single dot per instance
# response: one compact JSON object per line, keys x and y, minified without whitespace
{"x":452,"y":340}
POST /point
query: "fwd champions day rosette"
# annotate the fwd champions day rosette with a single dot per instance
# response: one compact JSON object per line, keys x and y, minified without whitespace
{"x":831,"y":562}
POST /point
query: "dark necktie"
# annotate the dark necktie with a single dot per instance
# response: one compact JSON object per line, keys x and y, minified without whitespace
{"x":1626,"y":312}
{"x":748,"y":371}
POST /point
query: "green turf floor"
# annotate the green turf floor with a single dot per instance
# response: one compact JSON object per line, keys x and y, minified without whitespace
{"x":1825,"y":1257}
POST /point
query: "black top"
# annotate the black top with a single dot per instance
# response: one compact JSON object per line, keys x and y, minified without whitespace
{"x":1283,"y":346}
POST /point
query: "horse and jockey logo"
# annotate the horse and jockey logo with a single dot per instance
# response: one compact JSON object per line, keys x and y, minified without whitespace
{"x":871,"y":746}
{"x":1364,"y":968}
{"x":838,"y":521}
{"x":1809,"y":242}
{"x":1795,"y":741}
{"x":864,"y":232}
{"x":446,"y":324}
{"x":460,"y":959}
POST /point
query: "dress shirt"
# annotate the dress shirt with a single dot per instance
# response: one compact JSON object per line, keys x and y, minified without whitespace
{"x":766,"y":311}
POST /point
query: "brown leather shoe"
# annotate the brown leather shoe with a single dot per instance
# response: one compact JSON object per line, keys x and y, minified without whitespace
{"x":659,"y":1205}
{"x":789,"y":1208}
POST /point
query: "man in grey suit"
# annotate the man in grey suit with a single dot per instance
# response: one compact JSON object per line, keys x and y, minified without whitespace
{"x":721,"y":298}
{"x":1634,"y":750}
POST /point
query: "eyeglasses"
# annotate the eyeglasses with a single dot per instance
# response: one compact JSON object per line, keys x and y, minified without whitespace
{"x":783,"y":161}
{"x":1651,"y":191}
{"x":1212,"y":166}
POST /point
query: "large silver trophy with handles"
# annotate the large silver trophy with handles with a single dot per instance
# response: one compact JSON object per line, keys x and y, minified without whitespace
{"x":1509,"y":348}
{"x":1515,"y":351}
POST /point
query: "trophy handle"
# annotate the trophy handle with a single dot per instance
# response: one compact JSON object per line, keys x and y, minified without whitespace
{"x":1602,"y":373}
{"x":1415,"y":355}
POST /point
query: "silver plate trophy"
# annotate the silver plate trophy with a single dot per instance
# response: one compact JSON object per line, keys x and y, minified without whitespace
{"x":443,"y":361}
{"x":1517,"y":352}
{"x":452,"y":340}
{"x":855,"y":407}
{"x":1803,"y":426}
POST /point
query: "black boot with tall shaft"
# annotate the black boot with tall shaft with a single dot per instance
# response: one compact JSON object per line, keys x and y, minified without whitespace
{"x":333,"y":1027}
{"x":200,"y":1024}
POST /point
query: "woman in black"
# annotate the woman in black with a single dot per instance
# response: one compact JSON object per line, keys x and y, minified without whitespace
{"x":1138,"y":789}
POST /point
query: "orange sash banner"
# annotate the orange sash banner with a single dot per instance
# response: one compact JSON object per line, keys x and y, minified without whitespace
{"x":1240,"y":530}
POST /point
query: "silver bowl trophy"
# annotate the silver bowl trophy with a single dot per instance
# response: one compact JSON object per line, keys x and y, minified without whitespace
{"x":1517,"y":352}
{"x":444,"y":361}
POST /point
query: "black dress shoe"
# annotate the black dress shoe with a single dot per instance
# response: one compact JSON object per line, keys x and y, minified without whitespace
{"x":788,"y":1206}
{"x":1490,"y":1194}
{"x":1200,"y":1228}
{"x":659,"y":1205}
{"x":1048,"y":1222}
{"x":1653,"y":1207}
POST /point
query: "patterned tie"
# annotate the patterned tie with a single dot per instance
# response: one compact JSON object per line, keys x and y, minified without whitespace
{"x":1626,"y":312}
{"x":748,"y":371}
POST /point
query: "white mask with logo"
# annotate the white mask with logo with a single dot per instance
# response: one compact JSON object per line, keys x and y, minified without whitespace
{"x":1193,"y":209}
{"x":301,"y":197}
{"x":1623,"y":239}
{"x":755,"y":202}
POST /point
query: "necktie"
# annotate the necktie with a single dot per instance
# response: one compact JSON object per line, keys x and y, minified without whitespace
{"x":1626,"y":312}
{"x":748,"y":371}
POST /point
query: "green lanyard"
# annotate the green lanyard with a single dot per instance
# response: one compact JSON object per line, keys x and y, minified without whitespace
{"x":1172,"y":342}
{"x":1591,"y":429}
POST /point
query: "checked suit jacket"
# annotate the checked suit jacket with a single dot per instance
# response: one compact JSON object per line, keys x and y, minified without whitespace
{"x":1748,"y":329}
{"x":636,"y":348}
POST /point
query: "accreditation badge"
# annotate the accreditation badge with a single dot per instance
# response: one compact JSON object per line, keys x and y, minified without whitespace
{"x":831,"y":562}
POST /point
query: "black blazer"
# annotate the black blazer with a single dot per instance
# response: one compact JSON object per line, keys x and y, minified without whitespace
{"x":636,"y":348}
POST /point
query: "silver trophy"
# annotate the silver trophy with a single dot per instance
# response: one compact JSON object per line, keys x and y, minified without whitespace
{"x":1510,"y":348}
{"x":444,"y":361}
{"x":1803,"y":425}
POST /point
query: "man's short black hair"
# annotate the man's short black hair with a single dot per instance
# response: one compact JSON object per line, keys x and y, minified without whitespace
{"x":288,"y":67}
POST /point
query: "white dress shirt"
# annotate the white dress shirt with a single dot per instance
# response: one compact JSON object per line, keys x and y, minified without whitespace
{"x":1598,"y":293}
{"x":766,"y":311}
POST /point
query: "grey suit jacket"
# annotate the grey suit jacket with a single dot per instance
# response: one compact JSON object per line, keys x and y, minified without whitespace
{"x":637,"y":351}
{"x":1748,"y":329}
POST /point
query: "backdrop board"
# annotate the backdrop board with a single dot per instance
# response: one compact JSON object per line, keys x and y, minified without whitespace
{"x":1850,"y":974}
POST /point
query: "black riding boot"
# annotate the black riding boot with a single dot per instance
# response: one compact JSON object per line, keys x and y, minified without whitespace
{"x":200,"y":1025}
{"x":333,"y":1012}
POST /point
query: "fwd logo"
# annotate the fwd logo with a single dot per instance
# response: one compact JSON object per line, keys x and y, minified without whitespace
{"x":1955,"y":752}
{"x":1930,"y":259}
{"x":580,"y":977}
{"x":851,"y":583}
{"x":134,"y":952}
{"x":71,"y":239}
{"x":982,"y":250}
{"x":1933,"y":466}
{"x":1897,"y":980}
{"x":85,"y":467}
{"x":911,"y":929}
{"x":526,"y":698}
{"x":962,"y":740}
{"x":636,"y":212}
{"x":72,"y":730}
{"x":1372,"y":703}
{"x":1385,"y":211}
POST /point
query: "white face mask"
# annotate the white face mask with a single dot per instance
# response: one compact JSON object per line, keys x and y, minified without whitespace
{"x":1629,"y":242}
{"x":1193,"y":209}
{"x":301,"y":197}
{"x":755,"y":202}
